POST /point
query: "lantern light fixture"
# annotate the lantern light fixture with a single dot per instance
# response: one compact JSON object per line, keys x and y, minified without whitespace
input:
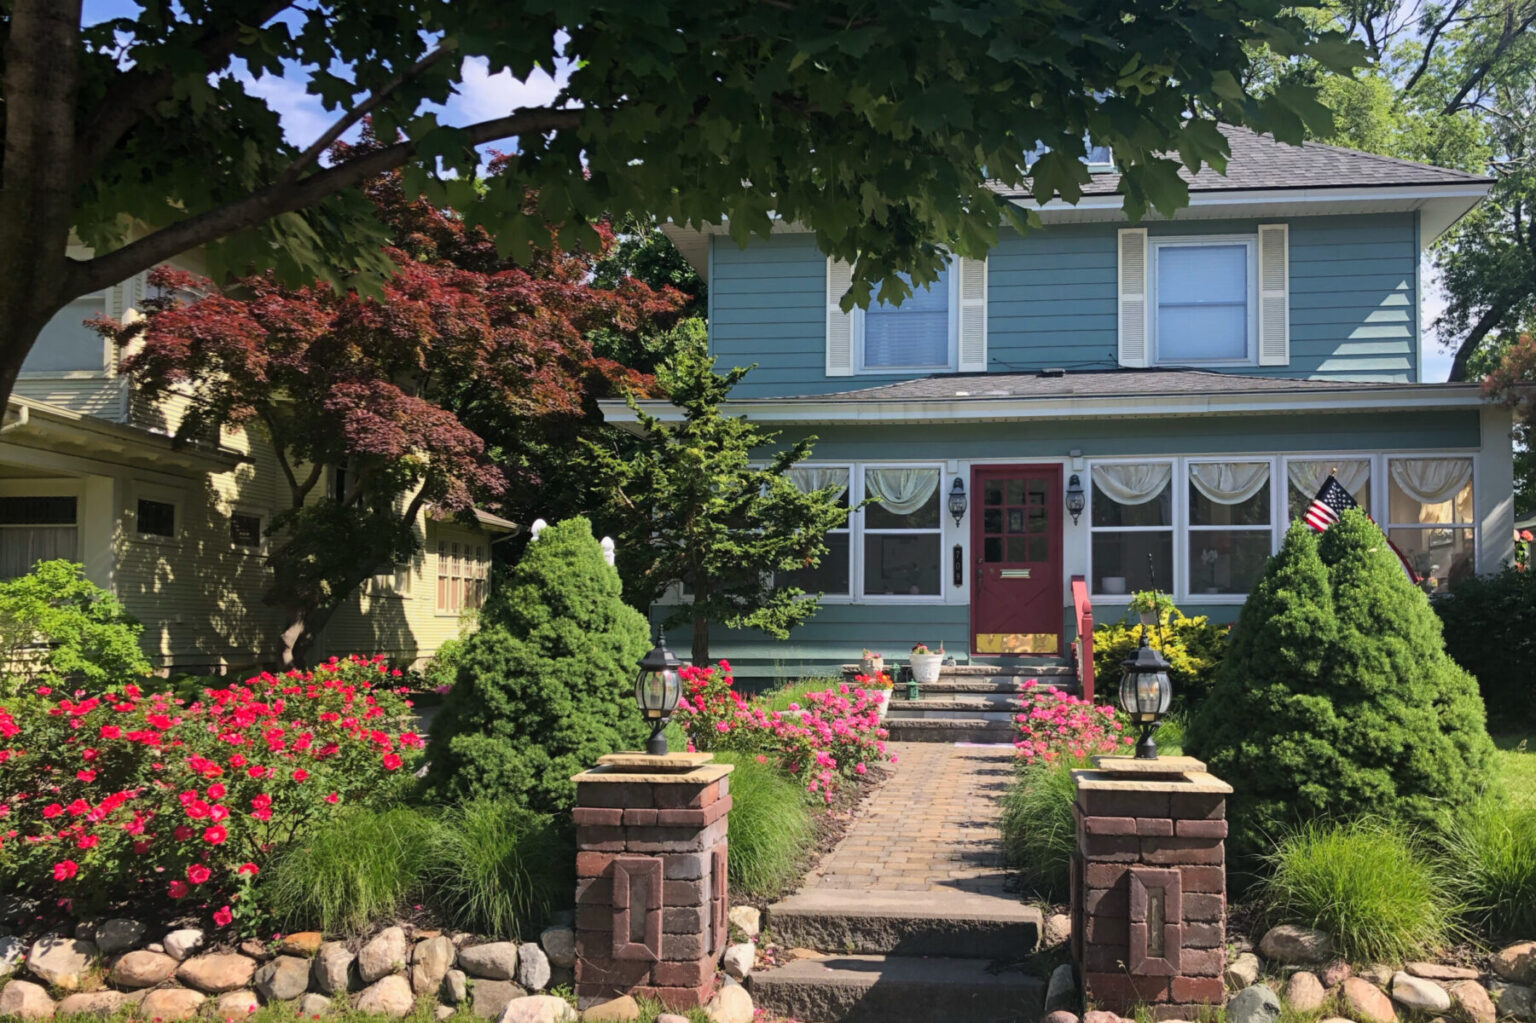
{"x":1076,"y":500}
{"x":658,"y":687}
{"x":958,"y":502}
{"x":1145,"y":692}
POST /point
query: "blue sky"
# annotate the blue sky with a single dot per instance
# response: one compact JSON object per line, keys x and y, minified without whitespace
{"x":483,"y":95}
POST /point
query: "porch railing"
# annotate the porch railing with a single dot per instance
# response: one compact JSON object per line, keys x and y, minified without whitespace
{"x":1082,"y":609}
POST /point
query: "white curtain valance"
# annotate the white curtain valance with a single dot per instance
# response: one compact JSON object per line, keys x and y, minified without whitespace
{"x":807,"y":478}
{"x":900,"y":491}
{"x":1229,"y":482}
{"x":1431,"y":480}
{"x":1132,"y":484}
{"x":1308,"y":475}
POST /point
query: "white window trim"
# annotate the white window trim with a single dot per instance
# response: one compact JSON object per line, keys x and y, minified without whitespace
{"x":476,"y":568}
{"x":829,"y":598}
{"x":860,"y":369}
{"x":1183,"y":547}
{"x":173,"y":496}
{"x":1386,"y":498}
{"x":856,"y":547}
{"x":1250,"y":242}
{"x":1172,"y":527}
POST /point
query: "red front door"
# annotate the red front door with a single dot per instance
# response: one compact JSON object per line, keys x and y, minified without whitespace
{"x":1016,"y":553}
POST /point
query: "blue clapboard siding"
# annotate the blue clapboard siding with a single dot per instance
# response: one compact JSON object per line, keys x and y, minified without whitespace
{"x":1051,"y":302}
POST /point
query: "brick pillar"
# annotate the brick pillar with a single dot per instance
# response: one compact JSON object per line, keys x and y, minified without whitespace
{"x":650,"y":877}
{"x":1149,"y":892}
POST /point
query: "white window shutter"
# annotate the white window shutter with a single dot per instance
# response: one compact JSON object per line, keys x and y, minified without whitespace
{"x":839,"y":323}
{"x":1133,"y":298}
{"x":1274,"y":295}
{"x":973,"y":316}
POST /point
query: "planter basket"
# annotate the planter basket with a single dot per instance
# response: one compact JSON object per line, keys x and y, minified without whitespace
{"x":925,"y":667}
{"x":872,"y":666}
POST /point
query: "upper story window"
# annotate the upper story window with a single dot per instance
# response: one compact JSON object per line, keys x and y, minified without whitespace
{"x":918,"y":334}
{"x":67,"y":345}
{"x":1205,"y":293}
{"x":156,"y":518}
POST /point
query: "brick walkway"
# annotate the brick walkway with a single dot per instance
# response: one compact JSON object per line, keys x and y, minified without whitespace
{"x":931,"y":827}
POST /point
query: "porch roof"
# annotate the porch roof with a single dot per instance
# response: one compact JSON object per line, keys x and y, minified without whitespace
{"x":45,"y":430}
{"x":1058,"y":394}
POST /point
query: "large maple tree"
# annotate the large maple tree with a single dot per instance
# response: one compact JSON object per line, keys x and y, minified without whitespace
{"x":380,"y":408}
{"x":151,"y":133}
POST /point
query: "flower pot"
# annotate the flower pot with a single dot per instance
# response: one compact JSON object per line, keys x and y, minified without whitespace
{"x":1149,"y":618}
{"x":872,"y":666}
{"x":885,"y":705}
{"x":925,"y":667}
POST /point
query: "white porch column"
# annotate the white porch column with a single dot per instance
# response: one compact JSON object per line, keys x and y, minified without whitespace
{"x":97,"y":523}
{"x":1493,"y":495}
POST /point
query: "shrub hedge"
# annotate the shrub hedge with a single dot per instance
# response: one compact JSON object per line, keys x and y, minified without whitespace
{"x":1488,"y":632}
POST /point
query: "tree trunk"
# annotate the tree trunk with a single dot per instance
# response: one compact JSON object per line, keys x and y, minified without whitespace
{"x":298,"y":636}
{"x":700,"y":640}
{"x":36,"y":198}
{"x":1474,"y":338}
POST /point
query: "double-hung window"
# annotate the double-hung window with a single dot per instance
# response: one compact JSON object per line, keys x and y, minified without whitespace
{"x":1205,"y":294}
{"x":833,"y":575}
{"x":1307,"y":475}
{"x":1430,"y":516}
{"x":1231,"y":534}
{"x":903,"y":529}
{"x":919,"y":334}
{"x":1131,"y":527}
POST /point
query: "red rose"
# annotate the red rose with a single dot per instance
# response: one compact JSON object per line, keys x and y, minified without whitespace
{"x":177,"y":889}
{"x":332,"y":798}
{"x":86,"y":841}
{"x":248,"y":868}
{"x":182,"y":833}
{"x":215,"y":835}
{"x":216,"y":791}
{"x":222,"y":916}
{"x":65,"y":869}
{"x":52,"y":810}
{"x":197,"y":873}
{"x":391,"y":761}
{"x":300,"y":774}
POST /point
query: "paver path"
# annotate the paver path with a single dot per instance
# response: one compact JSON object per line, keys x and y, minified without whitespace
{"x":930,"y":827}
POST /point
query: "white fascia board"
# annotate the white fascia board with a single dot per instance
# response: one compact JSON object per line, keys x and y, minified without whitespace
{"x":954,"y":410}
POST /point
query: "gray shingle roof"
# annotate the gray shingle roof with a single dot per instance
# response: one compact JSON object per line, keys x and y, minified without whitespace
{"x":1092,"y":384}
{"x":1259,"y":162}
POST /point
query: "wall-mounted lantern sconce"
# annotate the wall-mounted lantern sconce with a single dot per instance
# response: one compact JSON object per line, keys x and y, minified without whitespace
{"x":1076,"y":501}
{"x":958,"y":502}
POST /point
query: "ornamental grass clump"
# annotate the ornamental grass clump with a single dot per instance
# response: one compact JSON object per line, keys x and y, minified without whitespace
{"x":771,"y":827}
{"x":1492,"y":857}
{"x":495,"y":868}
{"x":144,"y":796}
{"x":1039,"y":833}
{"x":1336,"y":698}
{"x":832,"y":736}
{"x":1054,"y":724}
{"x":1367,"y":883}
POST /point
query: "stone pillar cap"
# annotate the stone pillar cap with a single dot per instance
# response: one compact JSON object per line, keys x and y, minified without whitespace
{"x":1111,"y":764}
{"x":670,"y":768}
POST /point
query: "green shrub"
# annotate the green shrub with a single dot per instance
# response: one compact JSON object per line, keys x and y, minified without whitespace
{"x":1492,"y":857}
{"x":771,"y":829}
{"x":1336,"y":697}
{"x":1364,"y":882}
{"x":497,"y":869}
{"x":545,"y":685}
{"x":1488,"y":632}
{"x":364,"y":868}
{"x":1193,"y":646}
{"x":57,"y":627}
{"x":1039,"y":833}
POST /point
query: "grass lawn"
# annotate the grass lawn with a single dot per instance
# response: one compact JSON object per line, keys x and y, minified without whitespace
{"x":1517,"y":766}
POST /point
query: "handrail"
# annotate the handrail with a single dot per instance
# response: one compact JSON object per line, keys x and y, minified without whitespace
{"x":1082,"y":608}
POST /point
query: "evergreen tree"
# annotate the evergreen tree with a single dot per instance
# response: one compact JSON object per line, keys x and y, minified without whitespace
{"x":703,"y":502}
{"x":545,"y":684}
{"x":1337,"y":698}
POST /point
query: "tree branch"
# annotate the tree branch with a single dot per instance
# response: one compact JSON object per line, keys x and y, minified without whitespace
{"x":357,"y":113}
{"x":278,"y":198}
{"x":1429,"y":47}
{"x":1511,"y":33}
{"x":1468,"y":347}
{"x":138,"y":91}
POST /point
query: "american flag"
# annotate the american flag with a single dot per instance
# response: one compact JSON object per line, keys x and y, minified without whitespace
{"x":1333,"y":500}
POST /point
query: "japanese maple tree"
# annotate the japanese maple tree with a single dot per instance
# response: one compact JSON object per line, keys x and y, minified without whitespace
{"x":376,"y":408}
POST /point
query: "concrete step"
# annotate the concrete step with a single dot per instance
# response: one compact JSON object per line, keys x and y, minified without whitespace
{"x":1007,"y":684}
{"x":969,"y":728}
{"x":982,"y":703}
{"x":956,"y":924}
{"x":899,"y":989}
{"x":1022,"y":671}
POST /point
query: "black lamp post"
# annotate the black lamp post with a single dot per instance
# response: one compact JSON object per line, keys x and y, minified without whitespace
{"x":958,"y":502}
{"x":657,"y":690}
{"x":1076,"y":501}
{"x":1145,"y":693}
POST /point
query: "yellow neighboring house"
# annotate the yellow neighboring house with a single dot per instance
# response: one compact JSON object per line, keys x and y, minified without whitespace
{"x":88,"y":472}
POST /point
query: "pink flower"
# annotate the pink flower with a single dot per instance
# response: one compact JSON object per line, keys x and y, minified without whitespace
{"x":65,"y":869}
{"x":333,"y":797}
{"x":392,"y":761}
{"x":197,"y":873}
{"x":177,"y":889}
{"x":300,"y":774}
{"x":215,"y":835}
{"x":223,"y":917}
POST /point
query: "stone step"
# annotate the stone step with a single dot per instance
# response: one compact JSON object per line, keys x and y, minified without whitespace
{"x":1022,"y":671}
{"x":956,"y":924}
{"x":982,"y":703}
{"x":970,"y":728}
{"x":1009,"y":684}
{"x":899,"y":989}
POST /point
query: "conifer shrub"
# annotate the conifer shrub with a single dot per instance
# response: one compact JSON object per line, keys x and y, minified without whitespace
{"x":545,"y":685}
{"x":1336,"y":697}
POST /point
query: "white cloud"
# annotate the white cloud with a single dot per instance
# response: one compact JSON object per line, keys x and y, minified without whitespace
{"x":303,"y":117}
{"x":483,"y":96}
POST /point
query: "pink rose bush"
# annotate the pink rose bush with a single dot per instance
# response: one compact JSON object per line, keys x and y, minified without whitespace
{"x":128,"y":794}
{"x":832,"y":737}
{"x":1053,"y":723}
